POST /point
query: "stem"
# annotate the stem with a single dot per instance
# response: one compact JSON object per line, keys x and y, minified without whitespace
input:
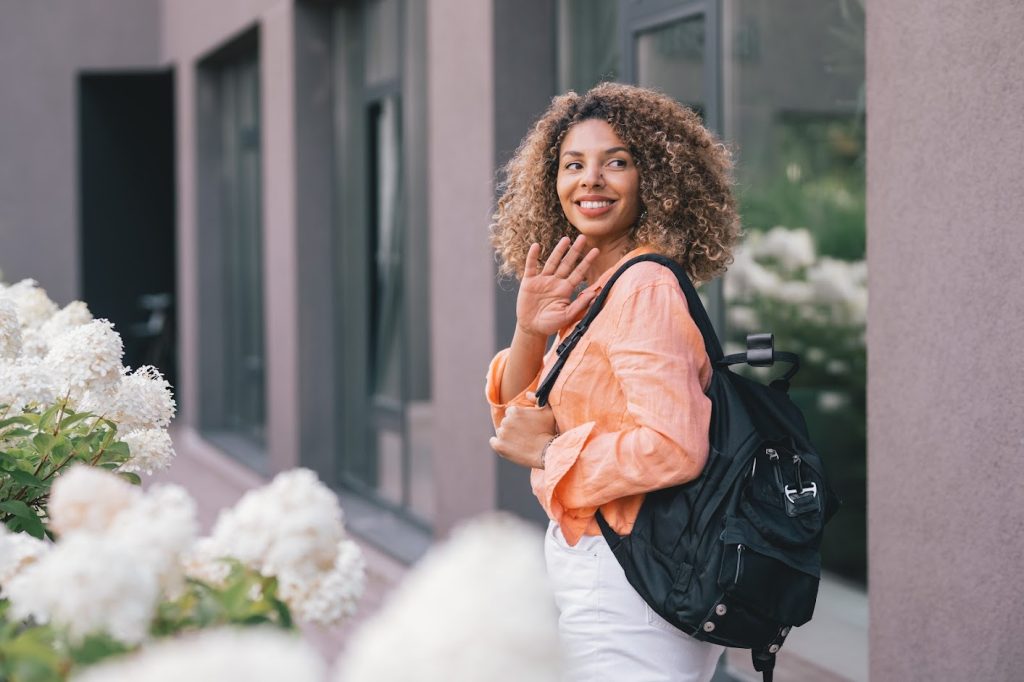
{"x":60,"y":416}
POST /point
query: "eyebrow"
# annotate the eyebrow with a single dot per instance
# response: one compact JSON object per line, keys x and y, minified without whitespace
{"x":613,"y":150}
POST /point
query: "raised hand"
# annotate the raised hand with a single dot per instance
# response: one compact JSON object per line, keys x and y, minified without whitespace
{"x":545,"y":302}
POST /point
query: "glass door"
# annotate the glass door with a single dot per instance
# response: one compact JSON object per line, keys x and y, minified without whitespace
{"x":674,"y":47}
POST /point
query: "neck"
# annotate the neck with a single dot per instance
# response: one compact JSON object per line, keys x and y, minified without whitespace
{"x":610,"y":253}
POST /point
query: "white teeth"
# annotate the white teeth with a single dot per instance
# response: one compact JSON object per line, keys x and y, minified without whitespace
{"x":595,"y":204}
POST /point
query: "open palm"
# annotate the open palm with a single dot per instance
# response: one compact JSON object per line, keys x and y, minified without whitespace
{"x":545,"y":302}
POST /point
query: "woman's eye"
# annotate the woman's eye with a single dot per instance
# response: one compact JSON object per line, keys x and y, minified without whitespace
{"x":618,"y":163}
{"x":573,"y":165}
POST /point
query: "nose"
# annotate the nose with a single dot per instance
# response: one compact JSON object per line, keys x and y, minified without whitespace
{"x":592,"y":176}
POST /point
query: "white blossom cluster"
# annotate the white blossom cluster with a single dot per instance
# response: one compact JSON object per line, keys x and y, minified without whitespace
{"x":291,"y":529}
{"x":48,"y":353}
{"x":222,"y":655}
{"x":119,"y":551}
{"x":17,"y":552}
{"x":492,"y":565}
{"x":782,"y":265}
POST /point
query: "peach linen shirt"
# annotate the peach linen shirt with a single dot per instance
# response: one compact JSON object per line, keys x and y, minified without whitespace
{"x":629,"y":403}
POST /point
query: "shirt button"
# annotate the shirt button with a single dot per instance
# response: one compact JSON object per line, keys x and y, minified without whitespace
{"x":709,"y":626}
{"x":721,"y":609}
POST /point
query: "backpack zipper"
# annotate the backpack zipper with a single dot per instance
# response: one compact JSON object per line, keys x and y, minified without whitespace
{"x":739,"y":564}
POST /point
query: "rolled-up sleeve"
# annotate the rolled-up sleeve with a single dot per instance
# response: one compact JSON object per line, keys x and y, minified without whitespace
{"x":492,"y":390}
{"x":658,"y":359}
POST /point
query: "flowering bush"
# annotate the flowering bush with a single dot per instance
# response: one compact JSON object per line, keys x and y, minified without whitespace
{"x":127,"y":569}
{"x":102,"y":580}
{"x":65,"y":398}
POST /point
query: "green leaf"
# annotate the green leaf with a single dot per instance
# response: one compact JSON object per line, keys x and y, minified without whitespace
{"x":61,"y":448}
{"x":119,"y":449}
{"x":96,"y":648}
{"x":17,"y":508}
{"x":48,"y":419}
{"x":27,"y":420}
{"x":131,"y":477}
{"x":28,"y":480}
{"x":43,"y":443}
{"x":72,"y":419}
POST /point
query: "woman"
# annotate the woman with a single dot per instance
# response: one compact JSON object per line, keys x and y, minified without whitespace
{"x":603,"y":177}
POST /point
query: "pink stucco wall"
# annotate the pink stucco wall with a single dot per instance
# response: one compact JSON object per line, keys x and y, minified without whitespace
{"x":945,"y":390}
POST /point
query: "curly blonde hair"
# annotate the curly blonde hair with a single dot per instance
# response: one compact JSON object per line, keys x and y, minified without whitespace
{"x":688,"y":208}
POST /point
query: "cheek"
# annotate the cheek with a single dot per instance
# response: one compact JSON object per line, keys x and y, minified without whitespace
{"x":564,"y":191}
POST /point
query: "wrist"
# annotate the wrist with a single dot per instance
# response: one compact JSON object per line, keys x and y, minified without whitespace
{"x":544,"y":451}
{"x":532,"y":334}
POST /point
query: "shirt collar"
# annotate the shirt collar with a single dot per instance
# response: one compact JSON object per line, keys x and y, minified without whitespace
{"x":597,"y":286}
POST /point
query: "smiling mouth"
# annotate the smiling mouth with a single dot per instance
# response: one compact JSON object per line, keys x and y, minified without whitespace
{"x":595,"y":204}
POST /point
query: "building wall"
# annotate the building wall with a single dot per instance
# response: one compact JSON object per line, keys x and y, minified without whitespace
{"x":460,"y":185}
{"x":946,"y":261}
{"x":191,"y":31}
{"x":43,"y":48}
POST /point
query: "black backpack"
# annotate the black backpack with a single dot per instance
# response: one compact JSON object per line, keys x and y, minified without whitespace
{"x":732,"y":557}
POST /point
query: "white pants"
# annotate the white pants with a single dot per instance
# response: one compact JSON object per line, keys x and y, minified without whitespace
{"x":607,"y":630}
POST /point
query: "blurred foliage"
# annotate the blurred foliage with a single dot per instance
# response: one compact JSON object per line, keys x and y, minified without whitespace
{"x":816,"y":180}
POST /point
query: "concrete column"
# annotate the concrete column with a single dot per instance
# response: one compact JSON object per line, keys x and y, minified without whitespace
{"x":460,"y":185}
{"x":280,"y":257}
{"x":945,"y":396}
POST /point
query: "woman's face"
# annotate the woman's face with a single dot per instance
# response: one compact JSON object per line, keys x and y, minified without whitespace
{"x":598,"y":183}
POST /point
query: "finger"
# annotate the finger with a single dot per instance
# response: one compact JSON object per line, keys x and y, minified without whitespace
{"x":531,"y":396}
{"x":495,"y":444}
{"x":576,"y":252}
{"x":532,"y":260}
{"x":581,"y":303}
{"x":580,"y":272}
{"x":551,"y":264}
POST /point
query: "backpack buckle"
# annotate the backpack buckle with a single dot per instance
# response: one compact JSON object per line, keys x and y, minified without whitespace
{"x":791,"y":493}
{"x":802,"y":502}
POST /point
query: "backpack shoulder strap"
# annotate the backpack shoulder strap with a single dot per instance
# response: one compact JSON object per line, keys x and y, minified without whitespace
{"x":693,"y":302}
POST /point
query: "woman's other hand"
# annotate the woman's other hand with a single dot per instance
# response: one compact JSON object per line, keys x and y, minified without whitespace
{"x":523,"y":433}
{"x":545,"y":302}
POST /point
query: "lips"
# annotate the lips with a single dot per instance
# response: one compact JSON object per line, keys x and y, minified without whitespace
{"x":594,"y":206}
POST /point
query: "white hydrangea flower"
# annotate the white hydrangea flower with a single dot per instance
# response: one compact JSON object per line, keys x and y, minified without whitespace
{"x":204,"y":561}
{"x":161,"y":526}
{"x":141,"y":400}
{"x":834,"y":281}
{"x":88,"y":357}
{"x":439,"y":624}
{"x":34,"y":307}
{"x":74,"y":314}
{"x":292,"y":524}
{"x":791,"y":249}
{"x":88,"y":583}
{"x":793,"y":291}
{"x":747,"y":277}
{"x":34,"y":344}
{"x":18,"y":551}
{"x":88,"y":499}
{"x":742,"y":317}
{"x":10,"y":331}
{"x":24,"y":382}
{"x":151,"y":450}
{"x":329,"y":597}
{"x":220,"y":655}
